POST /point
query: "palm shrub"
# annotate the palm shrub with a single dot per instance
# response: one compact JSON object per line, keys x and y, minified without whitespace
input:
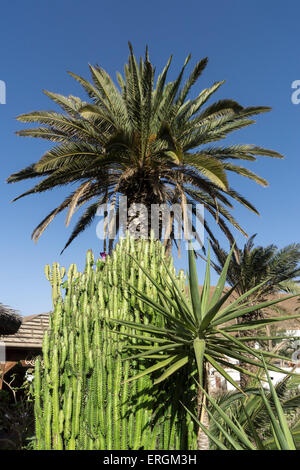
{"x":277,"y":269}
{"x":144,"y":139}
{"x":198,"y":333}
{"x":257,"y":420}
{"x":235,"y":403}
{"x":82,"y":398}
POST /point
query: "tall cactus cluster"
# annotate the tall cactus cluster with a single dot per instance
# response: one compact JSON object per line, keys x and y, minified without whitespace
{"x":82,"y":397}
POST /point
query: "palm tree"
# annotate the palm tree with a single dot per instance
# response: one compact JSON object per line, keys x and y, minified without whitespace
{"x":275,"y":269}
{"x":147,"y":142}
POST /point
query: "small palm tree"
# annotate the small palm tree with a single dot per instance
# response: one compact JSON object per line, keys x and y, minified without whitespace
{"x":252,"y":265}
{"x":257,"y":420}
{"x":235,"y":403}
{"x":276,"y":271}
{"x":198,"y":333}
{"x":150,"y":143}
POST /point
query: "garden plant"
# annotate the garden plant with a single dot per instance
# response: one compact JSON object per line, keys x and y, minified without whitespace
{"x":93,"y":392}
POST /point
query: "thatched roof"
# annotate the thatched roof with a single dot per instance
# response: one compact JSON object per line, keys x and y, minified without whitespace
{"x":10,"y":321}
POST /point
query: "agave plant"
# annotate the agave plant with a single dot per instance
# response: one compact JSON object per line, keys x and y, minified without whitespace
{"x":198,"y":331}
{"x":142,"y":138}
{"x":245,"y":427}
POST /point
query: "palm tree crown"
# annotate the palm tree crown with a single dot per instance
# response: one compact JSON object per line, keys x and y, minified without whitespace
{"x":253,"y":265}
{"x":146,"y":141}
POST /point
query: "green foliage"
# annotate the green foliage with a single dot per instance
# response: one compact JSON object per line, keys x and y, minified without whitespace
{"x":197,"y":332}
{"x":134,"y":307}
{"x":145,"y":139}
{"x":257,"y":420}
{"x":16,"y":417}
{"x":197,"y":329}
{"x":253,"y":265}
{"x":256,"y":415}
{"x":273,"y":269}
{"x":82,"y":396}
{"x":55,"y":278}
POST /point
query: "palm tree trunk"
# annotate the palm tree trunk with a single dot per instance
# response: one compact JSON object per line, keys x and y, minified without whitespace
{"x":244,"y":381}
{"x":142,"y":219}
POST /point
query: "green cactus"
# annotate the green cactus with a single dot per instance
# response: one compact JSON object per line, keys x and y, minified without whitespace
{"x":82,"y":399}
{"x":55,"y":278}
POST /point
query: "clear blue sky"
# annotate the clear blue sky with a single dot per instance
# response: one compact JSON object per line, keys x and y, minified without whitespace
{"x":252,"y":45}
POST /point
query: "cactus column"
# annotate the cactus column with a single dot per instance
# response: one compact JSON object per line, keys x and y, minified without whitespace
{"x":82,"y":399}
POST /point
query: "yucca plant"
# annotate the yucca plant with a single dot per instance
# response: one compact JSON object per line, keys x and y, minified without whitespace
{"x":145,"y":139}
{"x":198,"y":332}
{"x":232,"y":431}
